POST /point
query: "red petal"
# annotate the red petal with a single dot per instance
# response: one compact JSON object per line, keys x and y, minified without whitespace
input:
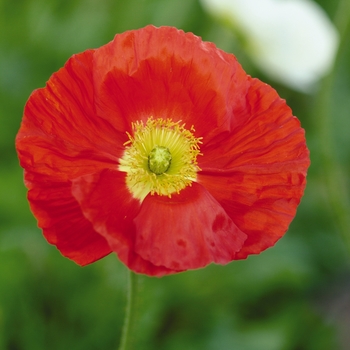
{"x":263,"y":133}
{"x":188,"y":231}
{"x":106,"y":202}
{"x":258,"y":172}
{"x":60,"y":135}
{"x":64,"y":225}
{"x":166,"y":73}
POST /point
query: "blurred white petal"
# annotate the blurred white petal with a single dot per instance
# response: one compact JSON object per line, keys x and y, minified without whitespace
{"x":292,"y":41}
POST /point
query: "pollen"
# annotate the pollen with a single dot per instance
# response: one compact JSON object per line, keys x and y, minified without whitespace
{"x":160,"y":157}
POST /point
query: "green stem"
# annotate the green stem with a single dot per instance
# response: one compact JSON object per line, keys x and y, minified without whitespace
{"x":130,"y":319}
{"x":333,"y":171}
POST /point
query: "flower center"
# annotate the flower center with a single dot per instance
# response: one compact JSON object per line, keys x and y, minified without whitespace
{"x":160,"y":158}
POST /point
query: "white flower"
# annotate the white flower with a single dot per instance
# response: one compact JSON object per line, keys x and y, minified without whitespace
{"x":292,"y":41}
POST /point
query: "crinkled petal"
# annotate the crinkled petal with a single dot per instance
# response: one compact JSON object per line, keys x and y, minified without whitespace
{"x":108,"y":205}
{"x":187,"y":231}
{"x":166,"y":73}
{"x":64,"y":225}
{"x":60,"y":135}
{"x":262,"y":133}
{"x":257,"y":173}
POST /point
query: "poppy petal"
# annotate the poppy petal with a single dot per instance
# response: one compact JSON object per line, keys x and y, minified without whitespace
{"x":166,"y":73}
{"x":263,"y":131}
{"x":106,"y":202}
{"x":60,"y":135}
{"x":63,"y":224}
{"x":187,"y":231}
{"x":259,"y":174}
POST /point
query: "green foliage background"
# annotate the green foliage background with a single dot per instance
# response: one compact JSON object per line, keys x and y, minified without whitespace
{"x":292,"y":297}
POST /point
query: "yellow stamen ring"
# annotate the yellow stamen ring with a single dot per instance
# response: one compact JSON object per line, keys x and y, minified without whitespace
{"x":160,"y":157}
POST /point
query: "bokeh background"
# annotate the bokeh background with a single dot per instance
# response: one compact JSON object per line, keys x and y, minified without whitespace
{"x":295,"y":296}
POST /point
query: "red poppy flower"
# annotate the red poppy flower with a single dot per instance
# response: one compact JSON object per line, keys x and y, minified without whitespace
{"x":160,"y":148}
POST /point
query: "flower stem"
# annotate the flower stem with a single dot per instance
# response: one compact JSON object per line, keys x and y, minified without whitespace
{"x":334,"y":174}
{"x":130,"y":320}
